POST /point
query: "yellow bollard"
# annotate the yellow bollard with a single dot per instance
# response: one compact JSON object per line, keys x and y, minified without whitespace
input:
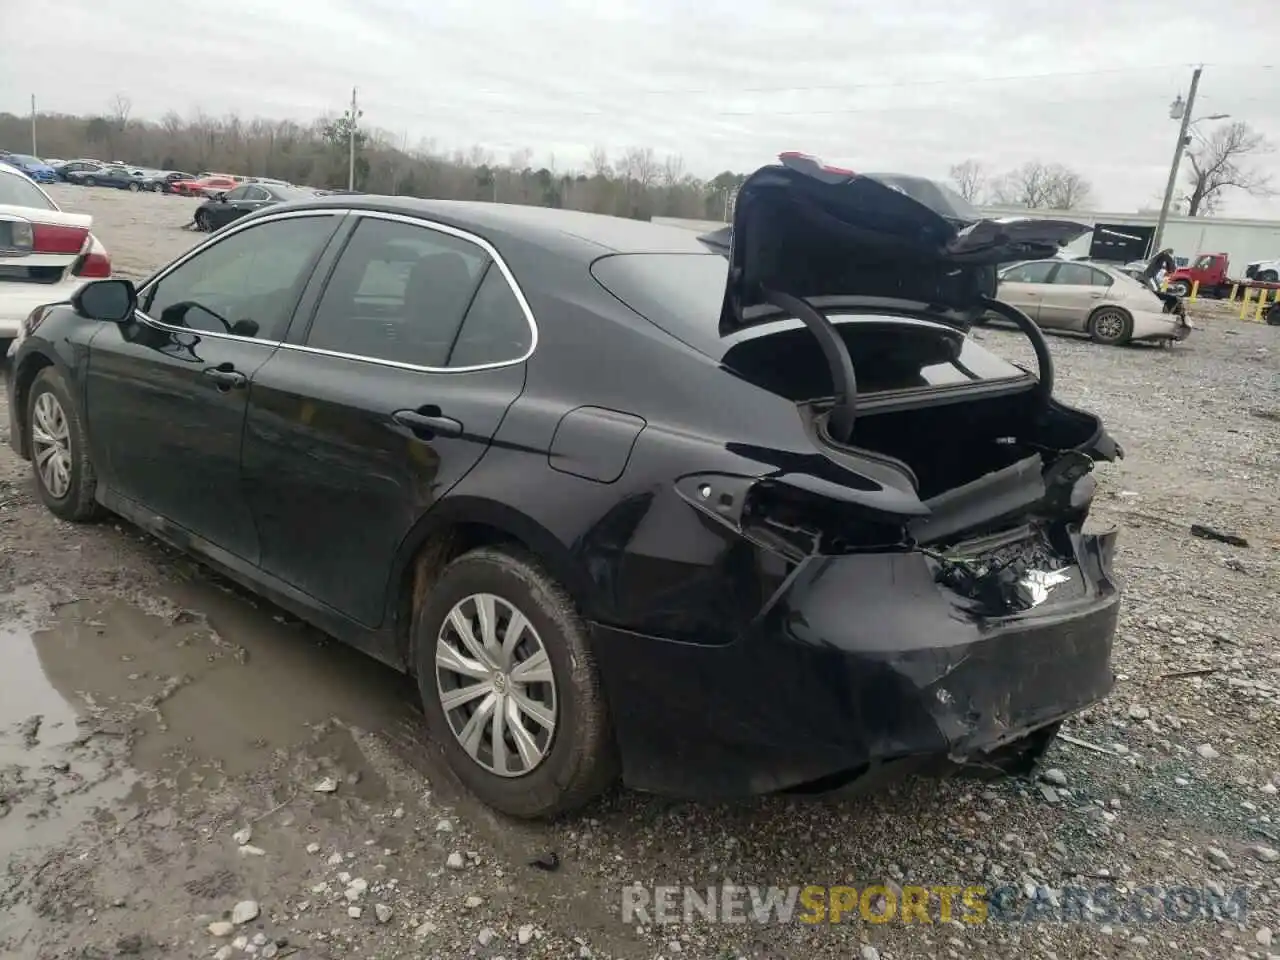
{"x":1244,"y":301}
{"x":1195,"y":290}
{"x":1262,"y":302}
{"x":1164,"y":285}
{"x":1235,"y":287}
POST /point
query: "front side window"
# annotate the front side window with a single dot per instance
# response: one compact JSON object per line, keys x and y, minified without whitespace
{"x":246,"y":284}
{"x":399,"y":293}
{"x":1035,"y":272}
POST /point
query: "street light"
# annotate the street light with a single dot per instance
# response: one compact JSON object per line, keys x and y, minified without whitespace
{"x":1179,"y":110}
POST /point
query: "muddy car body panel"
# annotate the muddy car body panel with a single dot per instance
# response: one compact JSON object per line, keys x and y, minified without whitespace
{"x":768,"y":607}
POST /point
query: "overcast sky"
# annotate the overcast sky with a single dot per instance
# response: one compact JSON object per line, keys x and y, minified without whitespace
{"x":911,"y":86}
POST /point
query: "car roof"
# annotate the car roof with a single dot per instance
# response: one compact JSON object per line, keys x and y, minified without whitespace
{"x":593,"y":234}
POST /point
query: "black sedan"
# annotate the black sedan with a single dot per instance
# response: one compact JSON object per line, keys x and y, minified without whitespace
{"x":218,"y":211}
{"x":720,"y":516}
{"x":111,"y":175}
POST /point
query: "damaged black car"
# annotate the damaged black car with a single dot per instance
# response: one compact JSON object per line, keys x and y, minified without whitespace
{"x":718,"y":516}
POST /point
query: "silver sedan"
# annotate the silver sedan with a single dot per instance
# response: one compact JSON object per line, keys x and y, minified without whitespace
{"x":1098,"y":299}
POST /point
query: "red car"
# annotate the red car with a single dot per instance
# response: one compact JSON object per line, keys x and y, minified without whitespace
{"x":205,"y":186}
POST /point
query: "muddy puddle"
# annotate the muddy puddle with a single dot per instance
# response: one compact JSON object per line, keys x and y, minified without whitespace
{"x":147,"y":699}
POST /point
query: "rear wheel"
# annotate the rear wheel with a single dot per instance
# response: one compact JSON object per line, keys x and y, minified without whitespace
{"x":1110,"y":325}
{"x":510,"y":688}
{"x":1179,"y":288}
{"x":64,"y":475}
{"x":90,"y":182}
{"x":133,"y":186}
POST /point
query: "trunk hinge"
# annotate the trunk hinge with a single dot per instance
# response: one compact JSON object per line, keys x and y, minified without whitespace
{"x":844,"y":384}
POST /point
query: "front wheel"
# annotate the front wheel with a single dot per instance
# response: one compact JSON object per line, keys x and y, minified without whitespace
{"x":203,"y":223}
{"x":1110,"y":325}
{"x":510,"y":688}
{"x":1179,"y":288}
{"x":64,"y":475}
{"x":90,"y":182}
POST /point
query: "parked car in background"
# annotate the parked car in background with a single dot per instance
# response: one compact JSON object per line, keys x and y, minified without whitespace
{"x":620,"y":509}
{"x":68,"y":167}
{"x":111,"y":175}
{"x":1264,"y":271}
{"x":205,"y":186}
{"x":1094,"y":298}
{"x":218,"y":211}
{"x":33,"y":167}
{"x":161,"y":181}
{"x":45,"y":254}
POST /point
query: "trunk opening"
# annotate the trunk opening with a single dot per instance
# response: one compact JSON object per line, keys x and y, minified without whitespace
{"x":945,"y":447}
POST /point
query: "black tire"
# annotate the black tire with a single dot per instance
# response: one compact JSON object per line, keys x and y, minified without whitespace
{"x":1110,"y":325}
{"x":90,"y":182}
{"x":1273,"y":315}
{"x":202,"y":222}
{"x":1268,"y":276}
{"x":580,"y":759}
{"x":134,"y":187}
{"x":1179,"y":288}
{"x":77,"y":502}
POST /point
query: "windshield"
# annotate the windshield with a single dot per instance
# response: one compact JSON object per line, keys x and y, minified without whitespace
{"x":18,"y":191}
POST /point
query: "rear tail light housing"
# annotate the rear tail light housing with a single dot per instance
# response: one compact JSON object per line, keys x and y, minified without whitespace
{"x":55,"y":238}
{"x":94,"y":262}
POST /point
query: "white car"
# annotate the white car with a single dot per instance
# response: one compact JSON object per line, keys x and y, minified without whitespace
{"x":1268,"y":271}
{"x":1094,"y":298}
{"x":46,"y":255}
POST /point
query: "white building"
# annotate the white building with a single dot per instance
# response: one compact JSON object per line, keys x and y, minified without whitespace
{"x":1242,"y":240}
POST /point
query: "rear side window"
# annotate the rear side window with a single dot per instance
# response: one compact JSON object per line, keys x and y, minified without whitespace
{"x":398,"y":292}
{"x":1079,"y":275}
{"x":1037,"y":272}
{"x":18,"y":191}
{"x":496,"y":329}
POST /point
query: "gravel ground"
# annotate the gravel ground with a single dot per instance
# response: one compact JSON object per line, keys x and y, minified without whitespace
{"x":188,"y":772}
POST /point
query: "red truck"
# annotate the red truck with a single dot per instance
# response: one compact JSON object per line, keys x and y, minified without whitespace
{"x":1211,"y":270}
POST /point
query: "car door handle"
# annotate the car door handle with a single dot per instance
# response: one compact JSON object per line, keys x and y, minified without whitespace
{"x":428,"y":422}
{"x":225,"y":376}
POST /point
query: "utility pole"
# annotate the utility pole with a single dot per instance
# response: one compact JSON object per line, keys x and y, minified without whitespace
{"x":33,"y":127}
{"x":1157,"y":240}
{"x":351,"y":142}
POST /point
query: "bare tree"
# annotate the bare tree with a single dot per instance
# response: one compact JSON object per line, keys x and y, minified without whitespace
{"x":970,"y":179}
{"x":1217,"y":165}
{"x":120,"y":107}
{"x":1041,"y":186}
{"x":1068,"y":190}
{"x":600,"y":162}
{"x":641,"y":165}
{"x":672,"y":170}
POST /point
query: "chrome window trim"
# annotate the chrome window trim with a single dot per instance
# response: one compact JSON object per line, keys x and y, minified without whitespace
{"x":422,"y":222}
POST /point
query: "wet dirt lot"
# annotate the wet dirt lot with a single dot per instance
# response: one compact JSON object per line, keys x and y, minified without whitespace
{"x":163,"y":736}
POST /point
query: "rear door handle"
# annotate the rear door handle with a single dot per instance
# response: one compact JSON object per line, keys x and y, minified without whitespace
{"x":225,"y":376}
{"x":428,"y":422}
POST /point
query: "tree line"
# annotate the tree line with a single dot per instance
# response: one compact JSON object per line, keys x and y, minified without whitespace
{"x":1212,"y":167}
{"x":637,"y":183}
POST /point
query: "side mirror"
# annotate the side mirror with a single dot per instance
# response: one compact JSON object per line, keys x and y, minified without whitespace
{"x":111,"y":301}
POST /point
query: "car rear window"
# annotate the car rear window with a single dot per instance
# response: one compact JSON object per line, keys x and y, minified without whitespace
{"x":18,"y":191}
{"x":683,"y":294}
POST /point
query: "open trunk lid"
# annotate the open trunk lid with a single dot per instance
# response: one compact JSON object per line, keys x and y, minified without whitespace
{"x":39,"y":246}
{"x":816,"y":232}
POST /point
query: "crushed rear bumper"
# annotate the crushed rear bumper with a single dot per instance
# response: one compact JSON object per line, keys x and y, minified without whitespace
{"x":861,"y":663}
